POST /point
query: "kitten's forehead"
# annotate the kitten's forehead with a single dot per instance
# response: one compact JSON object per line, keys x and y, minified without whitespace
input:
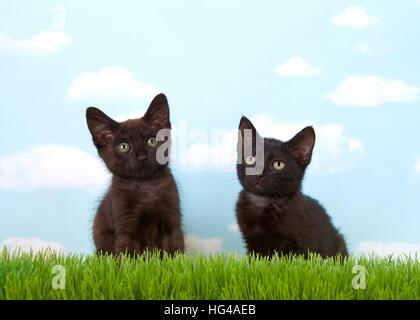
{"x":136,"y":127}
{"x":274,"y":146}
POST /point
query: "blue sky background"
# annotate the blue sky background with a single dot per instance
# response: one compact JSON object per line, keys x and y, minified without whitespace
{"x":215,"y":61}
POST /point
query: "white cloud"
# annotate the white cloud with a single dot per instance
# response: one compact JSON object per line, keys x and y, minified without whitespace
{"x":27,"y":244}
{"x":397,"y":249}
{"x":371,"y":91}
{"x":333,"y":149}
{"x":355,"y":17}
{"x":233,"y":227}
{"x":132,"y":115}
{"x":296,"y":66}
{"x":50,"y":166}
{"x":206,"y":246}
{"x":113,"y":83}
{"x":43,"y":44}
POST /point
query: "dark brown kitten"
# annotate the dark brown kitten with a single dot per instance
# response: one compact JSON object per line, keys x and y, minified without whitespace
{"x":272,"y":213}
{"x":141,"y":208}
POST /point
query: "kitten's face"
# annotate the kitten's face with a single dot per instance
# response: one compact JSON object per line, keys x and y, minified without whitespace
{"x":284,"y":163}
{"x":129,"y":148}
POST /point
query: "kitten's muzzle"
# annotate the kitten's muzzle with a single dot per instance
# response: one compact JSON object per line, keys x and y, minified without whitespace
{"x":257,"y":181}
{"x":141,"y":157}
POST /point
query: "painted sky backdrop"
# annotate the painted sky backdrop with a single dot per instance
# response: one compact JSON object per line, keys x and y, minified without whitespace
{"x":350,"y":69}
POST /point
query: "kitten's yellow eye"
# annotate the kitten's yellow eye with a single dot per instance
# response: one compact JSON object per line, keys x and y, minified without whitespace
{"x":123,"y":147}
{"x":152,"y":142}
{"x":278,"y":165}
{"x":250,"y":160}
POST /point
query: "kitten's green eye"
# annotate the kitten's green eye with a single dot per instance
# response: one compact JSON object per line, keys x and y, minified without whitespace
{"x":278,"y":165}
{"x":123,"y":147}
{"x":250,"y":160}
{"x":152,"y":142}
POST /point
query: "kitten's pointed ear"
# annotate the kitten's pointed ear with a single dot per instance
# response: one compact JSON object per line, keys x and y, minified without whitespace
{"x":246,"y":124}
{"x":158,"y":113}
{"x":102,"y":127}
{"x":302,"y":144}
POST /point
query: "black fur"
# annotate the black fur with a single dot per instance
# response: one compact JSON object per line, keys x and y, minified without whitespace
{"x":272,"y":213}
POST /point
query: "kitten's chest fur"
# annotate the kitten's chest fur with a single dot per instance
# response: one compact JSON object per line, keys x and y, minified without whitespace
{"x":137,"y":198}
{"x":146,"y":203}
{"x":267,"y":215}
{"x":286,"y":225}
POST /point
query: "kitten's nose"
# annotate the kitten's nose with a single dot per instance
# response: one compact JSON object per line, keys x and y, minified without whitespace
{"x":141,"y":157}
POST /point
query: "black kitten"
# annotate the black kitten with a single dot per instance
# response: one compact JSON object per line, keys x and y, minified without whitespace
{"x":272,"y":213}
{"x":141,"y":209}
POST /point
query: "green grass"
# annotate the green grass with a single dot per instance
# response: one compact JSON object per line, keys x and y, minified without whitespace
{"x":30,"y":276}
